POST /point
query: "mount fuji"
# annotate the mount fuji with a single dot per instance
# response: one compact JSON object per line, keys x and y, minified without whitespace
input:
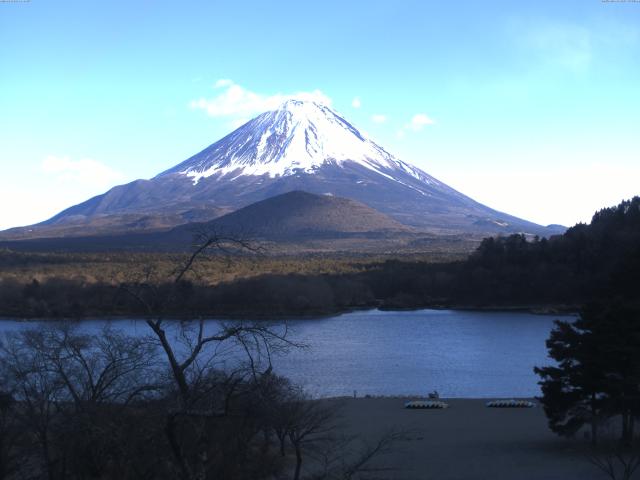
{"x":300,"y":146}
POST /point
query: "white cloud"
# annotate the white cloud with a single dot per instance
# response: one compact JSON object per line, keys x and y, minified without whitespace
{"x":85,"y":170}
{"x":356,"y":103}
{"x":378,"y":118}
{"x":223,"y":82}
{"x":233,"y":100}
{"x":418,"y":121}
{"x":54,"y":183}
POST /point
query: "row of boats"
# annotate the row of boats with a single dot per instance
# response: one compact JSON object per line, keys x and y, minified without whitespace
{"x":438,"y":404}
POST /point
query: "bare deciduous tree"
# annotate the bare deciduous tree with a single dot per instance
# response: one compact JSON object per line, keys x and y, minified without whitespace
{"x":67,"y":385}
{"x":10,"y":435}
{"x":347,"y":457}
{"x":191,"y":349}
{"x":616,"y":458}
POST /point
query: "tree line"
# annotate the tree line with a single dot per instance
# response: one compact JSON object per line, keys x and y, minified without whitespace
{"x":595,"y":261}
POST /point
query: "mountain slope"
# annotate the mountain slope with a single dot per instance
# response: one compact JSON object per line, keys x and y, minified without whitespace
{"x":298,"y":214}
{"x":296,"y":219}
{"x":300,"y":146}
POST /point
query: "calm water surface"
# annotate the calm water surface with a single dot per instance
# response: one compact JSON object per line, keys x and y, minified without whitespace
{"x":458,"y":353}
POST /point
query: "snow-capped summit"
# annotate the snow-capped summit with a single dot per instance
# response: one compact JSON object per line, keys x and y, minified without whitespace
{"x":299,"y":136}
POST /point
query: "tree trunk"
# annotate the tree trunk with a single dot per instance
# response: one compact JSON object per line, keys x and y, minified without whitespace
{"x":3,"y":462}
{"x":282,"y":438}
{"x":296,"y":476}
{"x":626,"y":428}
{"x":170,"y":432}
{"x":178,"y":373}
{"x":266,"y":437}
{"x":594,"y":421}
{"x":282,"y":452}
{"x":47,"y":457}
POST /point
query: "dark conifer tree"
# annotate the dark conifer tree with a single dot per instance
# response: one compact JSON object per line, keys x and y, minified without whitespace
{"x":597,"y":375}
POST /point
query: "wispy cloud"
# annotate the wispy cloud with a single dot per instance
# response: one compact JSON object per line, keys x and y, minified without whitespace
{"x":223,"y":82}
{"x":87,"y":171}
{"x":567,"y":45}
{"x":233,"y":100}
{"x":418,"y":121}
{"x":571,"y":46}
{"x":378,"y":118}
{"x":356,"y":103}
{"x":576,"y":48}
{"x":54,"y":183}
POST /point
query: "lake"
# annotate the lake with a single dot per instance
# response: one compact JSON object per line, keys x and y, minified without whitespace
{"x":462,"y":354}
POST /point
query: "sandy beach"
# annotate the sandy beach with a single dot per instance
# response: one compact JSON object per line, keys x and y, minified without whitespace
{"x":468,"y":441}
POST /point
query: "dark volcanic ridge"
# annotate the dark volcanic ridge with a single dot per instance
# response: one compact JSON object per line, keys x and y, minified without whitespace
{"x":299,"y":214}
{"x":300,"y":221}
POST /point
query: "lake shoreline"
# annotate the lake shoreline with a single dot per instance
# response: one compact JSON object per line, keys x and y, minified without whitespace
{"x":276,"y":317}
{"x":425,"y":397}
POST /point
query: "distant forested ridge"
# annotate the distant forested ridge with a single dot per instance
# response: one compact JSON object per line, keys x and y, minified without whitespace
{"x":588,"y":262}
{"x":600,"y":260}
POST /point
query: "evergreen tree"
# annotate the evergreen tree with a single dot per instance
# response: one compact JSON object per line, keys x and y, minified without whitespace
{"x":597,"y":375}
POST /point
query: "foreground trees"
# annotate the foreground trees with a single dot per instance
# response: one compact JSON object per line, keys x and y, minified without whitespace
{"x":69,"y":393}
{"x":189,"y":400}
{"x":202,"y":397}
{"x":598,"y":373}
{"x":103,"y":405}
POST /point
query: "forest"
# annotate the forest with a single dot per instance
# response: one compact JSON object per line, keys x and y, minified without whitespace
{"x":589,"y":261}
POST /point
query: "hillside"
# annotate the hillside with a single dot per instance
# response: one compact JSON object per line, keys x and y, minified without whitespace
{"x":292,"y":222}
{"x":301,"y":214}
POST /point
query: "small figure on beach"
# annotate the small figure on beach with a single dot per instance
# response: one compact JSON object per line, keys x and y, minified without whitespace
{"x":434,"y":395}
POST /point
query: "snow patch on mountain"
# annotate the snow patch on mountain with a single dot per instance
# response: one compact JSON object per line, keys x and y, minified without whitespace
{"x":299,"y":136}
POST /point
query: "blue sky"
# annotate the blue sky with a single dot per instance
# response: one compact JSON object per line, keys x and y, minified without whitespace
{"x":530,"y":107}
